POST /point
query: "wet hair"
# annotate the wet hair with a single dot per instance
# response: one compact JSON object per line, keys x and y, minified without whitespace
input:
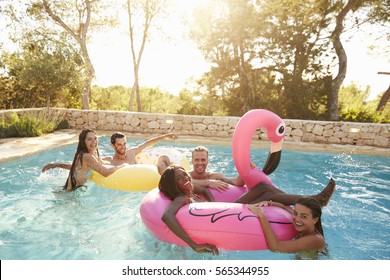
{"x":115,"y":136}
{"x":167,"y":184}
{"x":81,"y":150}
{"x":315,"y":208}
{"x":200,"y":149}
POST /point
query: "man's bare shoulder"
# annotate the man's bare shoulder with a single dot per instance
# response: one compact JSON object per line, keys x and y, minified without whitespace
{"x":133,"y":151}
{"x":109,"y":159}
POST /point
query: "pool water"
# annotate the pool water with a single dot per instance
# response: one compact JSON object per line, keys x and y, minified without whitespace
{"x":103,"y":224}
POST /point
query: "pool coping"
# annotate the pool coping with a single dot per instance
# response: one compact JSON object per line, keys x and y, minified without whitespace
{"x":13,"y":148}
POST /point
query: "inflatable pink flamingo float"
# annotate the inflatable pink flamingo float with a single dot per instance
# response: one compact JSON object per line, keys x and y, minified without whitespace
{"x":243,"y":133}
{"x":228,"y":225}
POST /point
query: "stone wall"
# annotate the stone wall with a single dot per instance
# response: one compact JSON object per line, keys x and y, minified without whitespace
{"x":361,"y":134}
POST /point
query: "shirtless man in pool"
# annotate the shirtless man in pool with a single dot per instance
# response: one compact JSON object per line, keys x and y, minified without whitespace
{"x":262,"y":192}
{"x":203,"y":178}
{"x":123,"y":155}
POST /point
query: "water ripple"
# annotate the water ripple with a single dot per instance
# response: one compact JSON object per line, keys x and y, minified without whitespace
{"x":36,"y":223}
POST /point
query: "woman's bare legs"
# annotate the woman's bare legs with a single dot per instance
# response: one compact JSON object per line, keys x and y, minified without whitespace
{"x":263,"y":192}
{"x":257,"y":192}
{"x":324,"y":196}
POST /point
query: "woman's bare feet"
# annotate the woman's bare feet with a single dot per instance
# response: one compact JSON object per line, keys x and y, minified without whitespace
{"x":324,"y":196}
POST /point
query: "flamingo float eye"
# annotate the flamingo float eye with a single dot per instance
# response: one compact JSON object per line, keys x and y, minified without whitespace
{"x":280,"y":130}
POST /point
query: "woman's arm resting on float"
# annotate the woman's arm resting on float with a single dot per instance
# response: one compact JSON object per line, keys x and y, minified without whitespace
{"x":205,"y":192}
{"x":309,"y":242}
{"x":274,"y":203}
{"x":169,"y":218}
{"x":99,"y":167}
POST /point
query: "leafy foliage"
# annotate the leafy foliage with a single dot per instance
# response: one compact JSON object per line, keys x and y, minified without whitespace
{"x":44,"y":73}
{"x":354,"y":106}
{"x":7,"y":126}
{"x":276,"y":56}
{"x":30,"y":125}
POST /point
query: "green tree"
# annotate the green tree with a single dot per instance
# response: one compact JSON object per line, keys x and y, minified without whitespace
{"x":115,"y":98}
{"x":225,"y":33}
{"x":8,"y":95}
{"x":355,"y":107}
{"x":41,"y":74}
{"x":265,"y":55}
{"x":157,"y":101}
{"x":292,"y":46}
{"x":76,"y":19}
{"x":278,"y":54}
{"x":110,"y":98}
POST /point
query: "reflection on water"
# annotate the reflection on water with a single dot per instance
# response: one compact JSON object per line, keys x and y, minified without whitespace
{"x":105,"y":224}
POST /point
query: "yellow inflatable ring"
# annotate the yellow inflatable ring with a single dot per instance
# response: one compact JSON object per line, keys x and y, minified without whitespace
{"x":142,"y":176}
{"x":135,"y":177}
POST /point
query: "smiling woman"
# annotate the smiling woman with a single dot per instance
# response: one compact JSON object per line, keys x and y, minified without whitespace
{"x":86,"y":160}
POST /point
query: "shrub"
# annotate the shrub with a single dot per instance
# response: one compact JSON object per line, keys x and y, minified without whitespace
{"x":30,"y":125}
{"x":7,"y":126}
{"x":360,"y":114}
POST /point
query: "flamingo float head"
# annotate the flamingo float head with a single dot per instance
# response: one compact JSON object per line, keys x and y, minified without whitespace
{"x":275,"y":126}
{"x":242,"y":137}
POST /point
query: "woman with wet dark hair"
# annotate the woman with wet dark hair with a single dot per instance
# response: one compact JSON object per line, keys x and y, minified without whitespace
{"x":85,"y":160}
{"x":175,"y":183}
{"x":306,"y":219}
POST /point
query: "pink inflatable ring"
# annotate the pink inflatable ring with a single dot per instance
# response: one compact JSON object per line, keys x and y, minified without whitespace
{"x":227,"y":225}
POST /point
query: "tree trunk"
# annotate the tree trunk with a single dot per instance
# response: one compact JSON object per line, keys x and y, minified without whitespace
{"x":81,"y":37}
{"x":47,"y":99}
{"x":135,"y":92}
{"x":333,"y":100}
{"x":85,"y":100}
{"x":90,"y":75}
{"x":382,"y":103}
{"x":132,"y":94}
{"x":139,"y":108}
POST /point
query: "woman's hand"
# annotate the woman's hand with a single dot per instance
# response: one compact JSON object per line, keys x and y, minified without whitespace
{"x":263,"y":203}
{"x":256,"y":209}
{"x":206,"y":248}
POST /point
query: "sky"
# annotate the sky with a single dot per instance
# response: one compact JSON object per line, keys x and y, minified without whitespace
{"x":364,"y":64}
{"x":170,"y":63}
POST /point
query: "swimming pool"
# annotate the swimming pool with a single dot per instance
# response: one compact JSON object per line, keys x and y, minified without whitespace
{"x":103,"y":224}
